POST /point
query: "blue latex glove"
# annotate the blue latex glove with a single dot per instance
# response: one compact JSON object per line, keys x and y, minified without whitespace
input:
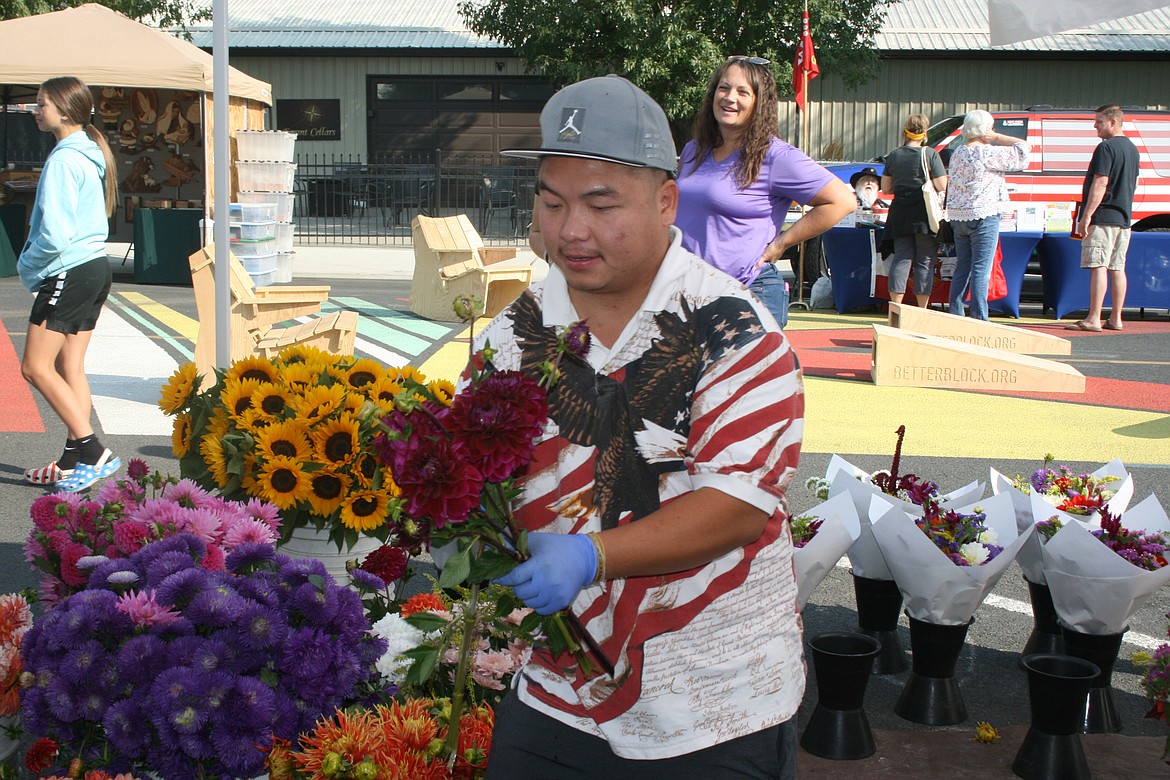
{"x":560,"y":566}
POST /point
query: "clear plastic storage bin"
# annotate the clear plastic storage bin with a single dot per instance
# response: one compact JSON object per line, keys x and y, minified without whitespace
{"x":252,"y":212}
{"x":251,"y":231}
{"x":284,"y":267}
{"x":264,"y":278}
{"x":265,"y":145}
{"x":283,"y":201}
{"x":266,"y":176}
{"x":284,"y":236}
{"x":243,"y":249}
{"x":260,"y":264}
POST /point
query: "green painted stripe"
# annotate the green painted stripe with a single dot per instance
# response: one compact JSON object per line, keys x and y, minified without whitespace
{"x":401,"y":319}
{"x":130,"y":312}
{"x":373,"y":329}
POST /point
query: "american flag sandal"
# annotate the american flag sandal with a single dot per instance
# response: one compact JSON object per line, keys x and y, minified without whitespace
{"x":85,"y":474}
{"x":46,"y":475}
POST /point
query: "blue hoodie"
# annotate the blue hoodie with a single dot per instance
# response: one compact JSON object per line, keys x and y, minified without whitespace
{"x":69,"y":226}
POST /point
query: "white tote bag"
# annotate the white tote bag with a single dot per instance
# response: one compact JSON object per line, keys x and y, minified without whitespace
{"x":935,"y":213}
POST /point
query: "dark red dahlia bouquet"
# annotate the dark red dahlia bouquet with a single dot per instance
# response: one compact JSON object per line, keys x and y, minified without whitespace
{"x":457,"y":470}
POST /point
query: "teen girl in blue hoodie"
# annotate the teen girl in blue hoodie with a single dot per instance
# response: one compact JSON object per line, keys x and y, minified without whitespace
{"x":64,"y":263}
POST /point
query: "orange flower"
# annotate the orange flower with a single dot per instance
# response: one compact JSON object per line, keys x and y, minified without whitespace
{"x":423,"y":602}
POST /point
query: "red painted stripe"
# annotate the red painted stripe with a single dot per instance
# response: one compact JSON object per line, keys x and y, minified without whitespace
{"x":18,"y":408}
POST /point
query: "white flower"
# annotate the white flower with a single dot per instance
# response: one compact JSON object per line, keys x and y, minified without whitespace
{"x":400,"y":636}
{"x":989,"y":536}
{"x":973,"y":553}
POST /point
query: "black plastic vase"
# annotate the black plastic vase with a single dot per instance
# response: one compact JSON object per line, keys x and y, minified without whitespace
{"x":838,"y":728}
{"x":1100,"y":712}
{"x":931,"y":695}
{"x":1058,"y":688}
{"x":879,"y":602}
{"x":1045,"y":637}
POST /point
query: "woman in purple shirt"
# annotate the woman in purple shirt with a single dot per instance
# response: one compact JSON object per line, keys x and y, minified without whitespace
{"x":737,"y":180}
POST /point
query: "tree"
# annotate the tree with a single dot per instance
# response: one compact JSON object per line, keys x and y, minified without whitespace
{"x":164,"y":14}
{"x":670,"y":49}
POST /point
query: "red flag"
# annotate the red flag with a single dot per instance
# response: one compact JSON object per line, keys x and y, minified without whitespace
{"x":806,"y":63}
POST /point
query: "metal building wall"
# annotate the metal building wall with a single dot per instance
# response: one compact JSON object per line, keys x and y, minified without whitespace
{"x":867,"y":120}
{"x":332,"y":76}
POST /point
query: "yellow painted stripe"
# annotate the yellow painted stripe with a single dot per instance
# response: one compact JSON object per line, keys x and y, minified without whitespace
{"x":451,"y":358}
{"x":859,"y":417}
{"x":178,"y":322}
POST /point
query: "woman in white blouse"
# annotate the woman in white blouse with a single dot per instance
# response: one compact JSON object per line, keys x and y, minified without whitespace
{"x":976,"y":194}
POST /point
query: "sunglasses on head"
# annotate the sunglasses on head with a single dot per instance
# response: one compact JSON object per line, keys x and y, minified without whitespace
{"x":752,"y":60}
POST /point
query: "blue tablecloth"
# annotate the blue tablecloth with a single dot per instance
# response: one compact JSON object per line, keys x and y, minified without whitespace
{"x":847,"y":253}
{"x":1066,"y":285}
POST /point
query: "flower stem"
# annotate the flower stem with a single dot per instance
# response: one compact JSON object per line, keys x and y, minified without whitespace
{"x":469,"y":613}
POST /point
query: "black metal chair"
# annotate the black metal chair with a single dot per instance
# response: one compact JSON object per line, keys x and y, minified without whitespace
{"x":498,"y":193}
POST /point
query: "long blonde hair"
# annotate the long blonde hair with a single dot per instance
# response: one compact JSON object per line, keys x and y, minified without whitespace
{"x":74,"y":100}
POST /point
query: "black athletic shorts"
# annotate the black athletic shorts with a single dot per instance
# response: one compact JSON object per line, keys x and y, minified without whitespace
{"x":71,"y":301}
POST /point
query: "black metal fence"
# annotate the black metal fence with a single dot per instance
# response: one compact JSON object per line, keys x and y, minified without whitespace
{"x":344,"y":199}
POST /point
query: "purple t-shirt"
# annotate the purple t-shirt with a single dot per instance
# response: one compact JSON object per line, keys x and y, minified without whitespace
{"x":729,"y":227}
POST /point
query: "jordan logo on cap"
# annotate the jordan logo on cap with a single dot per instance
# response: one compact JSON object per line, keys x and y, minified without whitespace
{"x":569,"y":130}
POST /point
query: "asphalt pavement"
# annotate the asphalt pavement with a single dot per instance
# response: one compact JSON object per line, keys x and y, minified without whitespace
{"x":953,"y":438}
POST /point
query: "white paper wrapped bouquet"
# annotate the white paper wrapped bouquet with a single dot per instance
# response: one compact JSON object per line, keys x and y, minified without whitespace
{"x":820,"y":536}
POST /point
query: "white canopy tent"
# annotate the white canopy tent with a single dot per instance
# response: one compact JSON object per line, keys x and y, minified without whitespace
{"x":1012,"y":21}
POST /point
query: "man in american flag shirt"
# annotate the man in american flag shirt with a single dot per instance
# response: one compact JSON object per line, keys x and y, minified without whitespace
{"x":656,"y":499}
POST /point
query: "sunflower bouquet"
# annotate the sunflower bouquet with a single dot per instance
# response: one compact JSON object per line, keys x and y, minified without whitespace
{"x":296,"y":431}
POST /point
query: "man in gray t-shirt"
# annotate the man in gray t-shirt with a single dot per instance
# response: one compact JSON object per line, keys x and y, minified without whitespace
{"x":1104,"y":219}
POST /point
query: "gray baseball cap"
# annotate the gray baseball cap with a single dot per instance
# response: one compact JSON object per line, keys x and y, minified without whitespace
{"x":605,"y":118}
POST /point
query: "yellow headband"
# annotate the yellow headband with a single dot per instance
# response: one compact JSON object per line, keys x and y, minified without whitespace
{"x":915,"y":136}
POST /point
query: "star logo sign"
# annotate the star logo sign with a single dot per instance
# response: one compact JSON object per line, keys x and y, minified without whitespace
{"x":312,"y":114}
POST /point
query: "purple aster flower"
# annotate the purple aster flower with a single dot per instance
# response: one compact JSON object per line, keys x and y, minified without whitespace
{"x":577,"y":339}
{"x":367,"y":580}
{"x":215,"y":607}
{"x":260,"y":627}
{"x":180,"y":587}
{"x":236,"y":749}
{"x":78,"y":662}
{"x":167,"y":564}
{"x":61,"y":698}
{"x":91,"y":704}
{"x":296,"y":571}
{"x":181,"y":650}
{"x":251,"y":705}
{"x":315,"y":604}
{"x":126,"y":728}
{"x":140,"y":657}
{"x":211,"y":655}
{"x":244,"y":557}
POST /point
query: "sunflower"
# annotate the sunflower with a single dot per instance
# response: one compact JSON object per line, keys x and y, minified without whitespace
{"x":181,"y":435}
{"x":236,"y":396}
{"x":319,"y":402}
{"x":271,"y":400}
{"x":407,"y":374}
{"x":365,"y":510}
{"x":283,"y":482}
{"x":328,"y":489}
{"x":258,"y":368}
{"x":363,"y":372}
{"x":211,"y":450}
{"x":219,"y":423}
{"x":177,"y":392}
{"x":304,"y":353}
{"x":442,"y":390}
{"x":336,"y":441}
{"x":253,"y":421}
{"x":299,"y":377}
{"x":355,"y":402}
{"x":365,"y":467}
{"x":251,"y":469}
{"x":289,"y":438}
{"x":383,"y":391}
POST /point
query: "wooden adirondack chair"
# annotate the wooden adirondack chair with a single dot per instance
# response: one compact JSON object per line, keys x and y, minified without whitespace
{"x":450,"y":260}
{"x":255,"y":311}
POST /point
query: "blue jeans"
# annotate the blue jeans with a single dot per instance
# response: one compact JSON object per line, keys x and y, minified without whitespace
{"x":975,"y":242}
{"x":772,"y":291}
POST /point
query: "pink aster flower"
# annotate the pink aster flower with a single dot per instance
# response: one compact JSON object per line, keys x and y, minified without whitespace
{"x":248,"y":531}
{"x":267,"y":513}
{"x":144,"y":610}
{"x":215,"y":559}
{"x":489,"y":667}
{"x":186,"y":493}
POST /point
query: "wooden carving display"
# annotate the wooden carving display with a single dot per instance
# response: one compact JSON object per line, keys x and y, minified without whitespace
{"x":144,"y":105}
{"x":139,"y":178}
